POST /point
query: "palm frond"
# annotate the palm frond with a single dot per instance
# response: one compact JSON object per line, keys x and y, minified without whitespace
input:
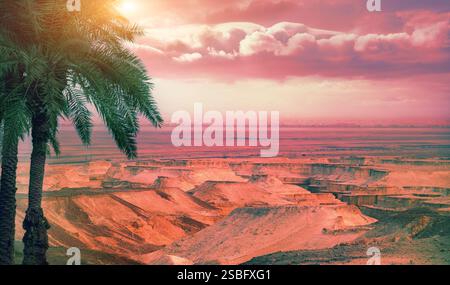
{"x":79,"y":114}
{"x":71,"y":61}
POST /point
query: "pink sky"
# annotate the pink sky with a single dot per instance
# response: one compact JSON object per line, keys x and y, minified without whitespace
{"x":311,"y":60}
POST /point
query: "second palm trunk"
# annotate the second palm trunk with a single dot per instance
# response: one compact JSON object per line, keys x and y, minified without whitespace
{"x":35,"y":224}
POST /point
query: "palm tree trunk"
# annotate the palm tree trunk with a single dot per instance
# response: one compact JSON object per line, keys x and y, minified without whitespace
{"x":8,"y":194}
{"x":35,"y":223}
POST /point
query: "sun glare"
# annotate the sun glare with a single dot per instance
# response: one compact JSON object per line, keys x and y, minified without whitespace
{"x":127,"y":7}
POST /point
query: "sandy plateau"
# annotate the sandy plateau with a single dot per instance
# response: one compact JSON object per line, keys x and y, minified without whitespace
{"x":257,"y":211}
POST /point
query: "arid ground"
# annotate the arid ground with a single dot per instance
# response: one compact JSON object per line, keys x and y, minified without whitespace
{"x":332,"y":194}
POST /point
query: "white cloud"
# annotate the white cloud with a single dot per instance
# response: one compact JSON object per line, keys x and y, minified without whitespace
{"x":188,"y":57}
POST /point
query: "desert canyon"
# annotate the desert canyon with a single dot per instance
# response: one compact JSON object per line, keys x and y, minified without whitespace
{"x":305,"y":209}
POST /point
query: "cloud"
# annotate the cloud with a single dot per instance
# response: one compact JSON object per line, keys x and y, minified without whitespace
{"x":288,"y":49}
{"x":305,"y":58}
{"x":188,"y":57}
{"x":341,"y":15}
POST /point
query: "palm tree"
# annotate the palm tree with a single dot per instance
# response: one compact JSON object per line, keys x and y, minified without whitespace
{"x":14,"y":122}
{"x":78,"y":59}
{"x":101,"y":72}
{"x":12,"y":129}
{"x":13,"y":114}
{"x":7,"y":196}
